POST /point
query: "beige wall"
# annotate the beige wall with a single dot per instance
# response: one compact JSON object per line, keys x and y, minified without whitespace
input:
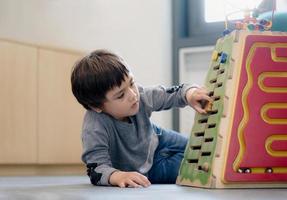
{"x":138,"y":30}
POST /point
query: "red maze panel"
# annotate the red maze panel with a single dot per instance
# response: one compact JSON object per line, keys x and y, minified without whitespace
{"x":278,"y":82}
{"x":281,"y":52}
{"x":248,"y":158}
{"x":279,"y":145}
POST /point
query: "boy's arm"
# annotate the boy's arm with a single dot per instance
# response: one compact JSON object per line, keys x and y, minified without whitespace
{"x":99,"y":165}
{"x":96,"y":156}
{"x":161,"y":98}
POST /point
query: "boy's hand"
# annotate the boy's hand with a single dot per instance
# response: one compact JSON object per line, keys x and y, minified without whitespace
{"x":196,"y":96}
{"x":128,"y":179}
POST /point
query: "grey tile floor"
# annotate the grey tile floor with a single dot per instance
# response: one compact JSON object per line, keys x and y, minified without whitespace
{"x":78,"y":187}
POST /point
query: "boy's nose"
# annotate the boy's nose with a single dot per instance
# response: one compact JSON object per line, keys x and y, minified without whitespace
{"x":132,"y":94}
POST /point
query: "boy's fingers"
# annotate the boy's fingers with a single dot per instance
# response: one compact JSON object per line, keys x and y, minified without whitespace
{"x":202,"y":95}
{"x":133,"y":184}
{"x":142,"y":180}
{"x":204,"y":98}
{"x":199,"y":109}
{"x":122,"y":185}
{"x":208,"y":98}
{"x":146,"y":181}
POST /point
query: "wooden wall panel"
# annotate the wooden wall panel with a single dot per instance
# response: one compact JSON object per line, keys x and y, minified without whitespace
{"x":60,"y":116}
{"x":18,"y":103}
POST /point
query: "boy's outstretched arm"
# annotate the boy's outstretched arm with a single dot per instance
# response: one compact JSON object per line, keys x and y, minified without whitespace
{"x":128,"y":179}
{"x":195,"y":96}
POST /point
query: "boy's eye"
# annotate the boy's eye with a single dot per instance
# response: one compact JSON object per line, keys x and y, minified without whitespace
{"x":121,"y":96}
{"x":132,"y":83}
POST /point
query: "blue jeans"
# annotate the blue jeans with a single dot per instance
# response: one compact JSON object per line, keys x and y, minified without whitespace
{"x":167,"y":157}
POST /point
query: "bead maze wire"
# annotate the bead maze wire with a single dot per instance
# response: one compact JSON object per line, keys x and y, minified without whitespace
{"x":250,"y":21}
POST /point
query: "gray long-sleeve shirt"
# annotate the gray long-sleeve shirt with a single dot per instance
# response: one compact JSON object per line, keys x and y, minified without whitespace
{"x":127,"y":146}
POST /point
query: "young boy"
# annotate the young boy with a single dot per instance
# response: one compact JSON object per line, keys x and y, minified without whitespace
{"x":121,"y":146}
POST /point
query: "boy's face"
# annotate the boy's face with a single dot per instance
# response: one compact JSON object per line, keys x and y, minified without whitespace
{"x":122,"y":102}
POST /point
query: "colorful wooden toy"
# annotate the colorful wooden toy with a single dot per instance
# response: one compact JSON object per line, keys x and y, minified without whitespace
{"x":242,"y":141}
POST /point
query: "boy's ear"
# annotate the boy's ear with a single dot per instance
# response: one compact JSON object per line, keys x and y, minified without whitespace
{"x":98,"y":110}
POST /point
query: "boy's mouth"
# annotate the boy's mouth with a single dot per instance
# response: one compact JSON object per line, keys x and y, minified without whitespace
{"x":135,"y":104}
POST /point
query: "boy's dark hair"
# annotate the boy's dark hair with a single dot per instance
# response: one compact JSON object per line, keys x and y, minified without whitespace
{"x":94,"y":75}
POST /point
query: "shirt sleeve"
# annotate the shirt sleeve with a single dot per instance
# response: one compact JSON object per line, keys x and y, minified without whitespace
{"x":96,"y":156}
{"x":162,"y":98}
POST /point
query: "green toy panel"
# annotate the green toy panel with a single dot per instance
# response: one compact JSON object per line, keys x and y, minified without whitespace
{"x":197,"y":162}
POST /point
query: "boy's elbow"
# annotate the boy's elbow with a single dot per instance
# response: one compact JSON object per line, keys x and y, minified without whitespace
{"x":95,"y":179}
{"x":93,"y":175}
